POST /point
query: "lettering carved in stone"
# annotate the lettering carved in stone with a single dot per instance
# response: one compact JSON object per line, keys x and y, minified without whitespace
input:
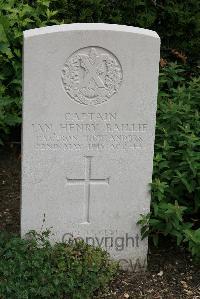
{"x":91,"y":75}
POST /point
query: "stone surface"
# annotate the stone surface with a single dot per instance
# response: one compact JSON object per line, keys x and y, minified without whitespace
{"x":88,"y":134}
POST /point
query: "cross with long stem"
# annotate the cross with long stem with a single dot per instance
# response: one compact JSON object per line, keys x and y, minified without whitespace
{"x":87,"y":181}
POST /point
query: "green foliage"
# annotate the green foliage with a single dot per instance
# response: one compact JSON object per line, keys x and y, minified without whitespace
{"x":15,"y":17}
{"x":193,"y":238}
{"x":33,"y":268}
{"x":175,"y":206}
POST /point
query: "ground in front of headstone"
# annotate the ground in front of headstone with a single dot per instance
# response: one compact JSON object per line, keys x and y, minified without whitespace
{"x":171,"y":273}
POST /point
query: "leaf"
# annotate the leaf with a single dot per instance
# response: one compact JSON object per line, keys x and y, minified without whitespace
{"x":155,"y":240}
{"x":3,"y":37}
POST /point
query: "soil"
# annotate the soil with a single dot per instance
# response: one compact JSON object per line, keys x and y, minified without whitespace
{"x":171,"y":272}
{"x":10,"y":161}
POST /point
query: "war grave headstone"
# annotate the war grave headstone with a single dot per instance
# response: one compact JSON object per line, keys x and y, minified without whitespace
{"x":89,"y":115}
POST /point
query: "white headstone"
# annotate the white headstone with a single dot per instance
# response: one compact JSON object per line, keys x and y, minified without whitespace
{"x":88,"y":134}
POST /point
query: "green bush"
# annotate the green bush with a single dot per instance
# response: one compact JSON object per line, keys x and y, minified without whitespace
{"x":15,"y":17}
{"x":34,"y":269}
{"x":176,"y":177}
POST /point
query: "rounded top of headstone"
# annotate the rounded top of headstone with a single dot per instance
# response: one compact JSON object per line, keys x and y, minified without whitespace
{"x":89,"y":26}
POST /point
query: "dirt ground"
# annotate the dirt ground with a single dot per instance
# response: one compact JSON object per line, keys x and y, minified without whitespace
{"x":171,"y":272}
{"x":10,"y":170}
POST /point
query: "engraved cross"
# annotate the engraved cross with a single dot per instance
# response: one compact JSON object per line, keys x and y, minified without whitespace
{"x":87,"y":181}
{"x":91,"y":66}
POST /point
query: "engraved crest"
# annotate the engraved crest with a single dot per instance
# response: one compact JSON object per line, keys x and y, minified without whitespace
{"x":91,"y":75}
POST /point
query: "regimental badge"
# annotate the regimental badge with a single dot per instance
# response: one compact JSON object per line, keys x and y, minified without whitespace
{"x":92,"y":75}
